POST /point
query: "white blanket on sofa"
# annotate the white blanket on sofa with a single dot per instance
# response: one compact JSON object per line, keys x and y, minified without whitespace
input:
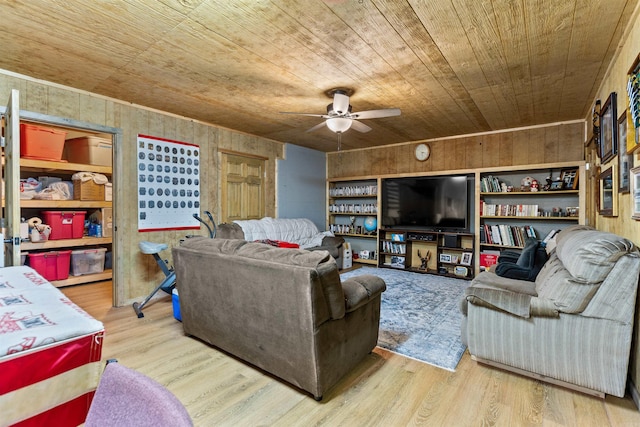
{"x":293,"y":230}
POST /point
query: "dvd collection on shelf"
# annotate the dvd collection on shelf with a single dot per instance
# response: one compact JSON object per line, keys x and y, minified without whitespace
{"x":487,"y":209}
{"x":393,"y":248}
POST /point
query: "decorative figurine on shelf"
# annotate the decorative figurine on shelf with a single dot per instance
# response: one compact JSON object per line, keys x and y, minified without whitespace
{"x":424,"y":260}
{"x":352,"y":227}
{"x":503,"y":187}
{"x":547,"y":186}
{"x":535,"y":186}
{"x":525,"y":184}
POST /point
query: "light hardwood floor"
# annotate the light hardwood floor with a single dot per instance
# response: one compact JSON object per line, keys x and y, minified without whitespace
{"x":385,"y":390}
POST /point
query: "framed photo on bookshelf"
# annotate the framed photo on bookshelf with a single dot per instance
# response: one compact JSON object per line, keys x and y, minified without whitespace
{"x":466,"y":258}
{"x":445,"y":258}
{"x":570,"y":178}
{"x":608,"y":129}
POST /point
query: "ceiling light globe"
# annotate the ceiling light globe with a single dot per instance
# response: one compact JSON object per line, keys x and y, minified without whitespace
{"x":338,"y":124}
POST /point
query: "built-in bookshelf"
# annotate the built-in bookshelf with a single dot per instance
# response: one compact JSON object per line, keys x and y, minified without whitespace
{"x":352,"y":213}
{"x":519,"y":203}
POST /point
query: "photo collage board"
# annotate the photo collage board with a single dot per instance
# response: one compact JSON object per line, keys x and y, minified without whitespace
{"x":168,"y":184}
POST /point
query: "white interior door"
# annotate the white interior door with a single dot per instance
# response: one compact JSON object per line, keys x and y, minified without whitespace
{"x":12,"y":179}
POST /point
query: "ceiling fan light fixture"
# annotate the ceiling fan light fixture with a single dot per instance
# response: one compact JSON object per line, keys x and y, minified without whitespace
{"x":338,"y":124}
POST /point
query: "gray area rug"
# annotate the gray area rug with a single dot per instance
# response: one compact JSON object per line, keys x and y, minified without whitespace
{"x":419,"y":315}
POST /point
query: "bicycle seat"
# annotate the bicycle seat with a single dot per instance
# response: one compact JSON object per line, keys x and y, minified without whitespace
{"x":151,"y":248}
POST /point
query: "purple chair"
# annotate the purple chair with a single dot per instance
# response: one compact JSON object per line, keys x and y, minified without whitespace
{"x":125,"y":397}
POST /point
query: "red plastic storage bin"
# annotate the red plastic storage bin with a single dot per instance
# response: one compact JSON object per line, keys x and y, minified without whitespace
{"x":38,"y":142}
{"x":51,"y":265}
{"x":65,"y":224}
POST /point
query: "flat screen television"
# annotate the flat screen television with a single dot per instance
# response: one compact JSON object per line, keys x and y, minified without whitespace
{"x":438,"y":203}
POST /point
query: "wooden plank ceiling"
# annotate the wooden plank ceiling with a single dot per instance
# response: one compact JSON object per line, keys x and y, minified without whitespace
{"x":452,"y":66}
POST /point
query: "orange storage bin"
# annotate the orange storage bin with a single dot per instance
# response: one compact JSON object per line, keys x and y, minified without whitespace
{"x":51,"y":265}
{"x":65,"y":224}
{"x":42,"y":143}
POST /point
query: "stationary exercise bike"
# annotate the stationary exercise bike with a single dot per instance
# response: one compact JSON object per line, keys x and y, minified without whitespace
{"x":169,"y":281}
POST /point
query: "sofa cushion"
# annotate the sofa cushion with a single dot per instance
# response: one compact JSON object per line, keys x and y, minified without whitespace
{"x":229,"y":231}
{"x":555,"y":283}
{"x":588,"y":254}
{"x":289,"y":256}
{"x":226,"y":246}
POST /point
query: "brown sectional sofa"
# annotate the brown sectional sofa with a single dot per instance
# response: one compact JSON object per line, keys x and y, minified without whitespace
{"x":572,"y":326}
{"x":285,"y":311}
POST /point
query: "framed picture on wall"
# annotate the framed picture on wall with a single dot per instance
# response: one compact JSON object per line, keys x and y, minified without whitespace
{"x":608,"y":129}
{"x":625,"y":160}
{"x":608,"y":194}
{"x":635,"y":188}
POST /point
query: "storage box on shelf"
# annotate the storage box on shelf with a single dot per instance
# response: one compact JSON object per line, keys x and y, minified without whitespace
{"x":353,"y":214}
{"x":87,"y":261}
{"x":52,"y":265}
{"x":90,"y":150}
{"x":87,"y":190}
{"x":65,"y":224}
{"x":39,"y":142}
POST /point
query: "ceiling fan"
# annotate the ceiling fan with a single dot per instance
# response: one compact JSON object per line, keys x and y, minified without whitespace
{"x":339,"y":117}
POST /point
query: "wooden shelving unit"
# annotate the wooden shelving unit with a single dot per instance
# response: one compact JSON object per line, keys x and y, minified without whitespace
{"x":405,"y":249}
{"x":354,"y":196}
{"x":34,"y":167}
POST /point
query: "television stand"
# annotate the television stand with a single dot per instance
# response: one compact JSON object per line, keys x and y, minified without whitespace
{"x":445,"y":253}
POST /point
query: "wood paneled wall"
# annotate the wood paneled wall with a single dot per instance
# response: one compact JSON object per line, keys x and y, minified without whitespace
{"x":137,"y":274}
{"x":616,"y":81}
{"x":559,"y":142}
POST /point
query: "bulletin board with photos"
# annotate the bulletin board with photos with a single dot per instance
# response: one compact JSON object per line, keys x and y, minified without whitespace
{"x":168,"y":184}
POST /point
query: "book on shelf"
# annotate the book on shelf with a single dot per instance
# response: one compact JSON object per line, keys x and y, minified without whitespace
{"x":490,"y":184}
{"x":393,"y":248}
{"x":506,"y":235}
{"x":487,"y":209}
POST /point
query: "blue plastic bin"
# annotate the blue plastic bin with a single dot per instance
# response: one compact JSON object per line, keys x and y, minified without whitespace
{"x":175,"y":298}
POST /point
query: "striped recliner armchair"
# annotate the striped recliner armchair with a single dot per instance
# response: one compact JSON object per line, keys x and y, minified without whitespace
{"x":572,"y":326}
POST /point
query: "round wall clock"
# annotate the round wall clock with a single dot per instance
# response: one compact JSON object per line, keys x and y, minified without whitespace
{"x":423,"y":151}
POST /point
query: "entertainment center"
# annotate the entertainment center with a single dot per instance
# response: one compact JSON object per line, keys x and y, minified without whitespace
{"x":437,"y":223}
{"x":434,"y":252}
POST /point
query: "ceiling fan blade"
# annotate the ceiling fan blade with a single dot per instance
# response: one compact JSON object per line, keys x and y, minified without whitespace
{"x":340,"y":103}
{"x":376,"y":114}
{"x":359,"y":126}
{"x":316,"y":127}
{"x":324,"y":116}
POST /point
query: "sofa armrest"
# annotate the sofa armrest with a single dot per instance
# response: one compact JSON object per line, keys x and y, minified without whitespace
{"x":510,"y":302}
{"x":359,"y":290}
{"x":335,"y":241}
{"x":331,"y":244}
{"x":521,"y":305}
